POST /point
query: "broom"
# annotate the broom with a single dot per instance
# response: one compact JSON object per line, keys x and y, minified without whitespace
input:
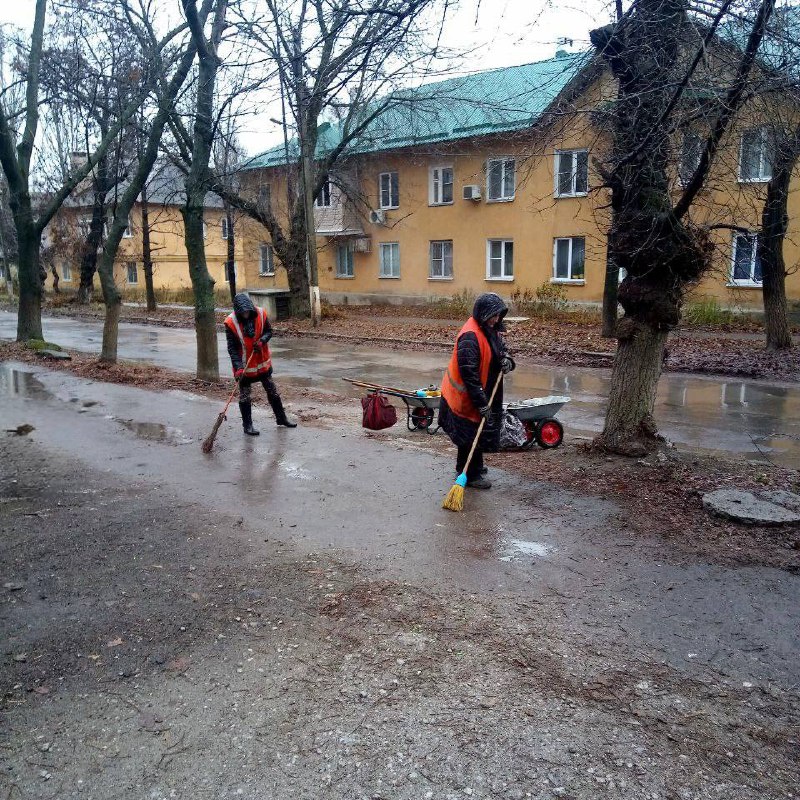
{"x":208,"y":444}
{"x":455,"y":497}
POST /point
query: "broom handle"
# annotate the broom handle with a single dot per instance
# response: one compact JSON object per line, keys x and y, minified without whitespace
{"x":483,"y":422}
{"x":236,"y":387}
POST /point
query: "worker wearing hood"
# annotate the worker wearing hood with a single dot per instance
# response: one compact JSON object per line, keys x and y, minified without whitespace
{"x":248,"y":332}
{"x":479,"y":356}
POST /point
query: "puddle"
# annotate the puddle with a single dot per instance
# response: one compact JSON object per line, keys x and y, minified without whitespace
{"x":21,"y":383}
{"x":518,"y":549}
{"x":295,"y":471}
{"x":156,"y":432}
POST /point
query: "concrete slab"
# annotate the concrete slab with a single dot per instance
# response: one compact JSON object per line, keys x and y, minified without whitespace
{"x":750,"y":509}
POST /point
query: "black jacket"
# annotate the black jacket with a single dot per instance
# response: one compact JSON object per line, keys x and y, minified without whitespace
{"x":462,"y":431}
{"x":242,"y":304}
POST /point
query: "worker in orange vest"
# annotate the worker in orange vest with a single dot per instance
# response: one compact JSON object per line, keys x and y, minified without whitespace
{"x":478,"y":357}
{"x":248,"y":332}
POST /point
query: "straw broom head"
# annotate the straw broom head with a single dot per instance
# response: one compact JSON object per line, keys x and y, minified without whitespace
{"x":455,"y":497}
{"x":208,"y":444}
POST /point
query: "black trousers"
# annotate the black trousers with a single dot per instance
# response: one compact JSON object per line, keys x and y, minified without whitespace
{"x":246,"y":391}
{"x":475,"y":466}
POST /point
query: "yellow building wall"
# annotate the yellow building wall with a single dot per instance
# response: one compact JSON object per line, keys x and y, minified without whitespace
{"x":168,"y":250}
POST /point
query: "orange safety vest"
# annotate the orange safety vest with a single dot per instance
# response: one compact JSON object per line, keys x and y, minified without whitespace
{"x":453,"y":389}
{"x":261,"y":363}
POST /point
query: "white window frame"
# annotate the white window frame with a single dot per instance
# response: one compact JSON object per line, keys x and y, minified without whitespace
{"x":749,"y":283}
{"x":66,"y":272}
{"x":503,"y":161}
{"x":390,"y":205}
{"x":568,"y":280}
{"x":325,"y":197}
{"x":205,"y":229}
{"x":350,"y":262}
{"x":573,"y":184}
{"x":436,"y":184}
{"x":224,"y":226}
{"x":393,"y":248}
{"x":270,"y":266}
{"x":128,"y":232}
{"x":764,"y":166}
{"x":135,"y":266}
{"x":443,"y":245}
{"x":503,"y":276}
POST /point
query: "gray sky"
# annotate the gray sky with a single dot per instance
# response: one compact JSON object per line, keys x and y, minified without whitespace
{"x":500,"y":33}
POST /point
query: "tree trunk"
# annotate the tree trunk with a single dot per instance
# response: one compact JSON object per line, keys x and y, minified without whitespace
{"x":29,"y":317}
{"x":54,"y":273}
{"x":774,"y":222}
{"x":610,"y":291}
{"x":230,"y":265}
{"x":108,"y":352}
{"x":630,"y":428}
{"x":94,"y":240}
{"x":147,"y":253}
{"x":203,"y":288}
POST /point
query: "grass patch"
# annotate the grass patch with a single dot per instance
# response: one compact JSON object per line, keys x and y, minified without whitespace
{"x":455,"y":307}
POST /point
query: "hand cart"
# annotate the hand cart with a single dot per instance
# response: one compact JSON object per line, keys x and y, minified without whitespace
{"x":421,"y":404}
{"x":538,"y":417}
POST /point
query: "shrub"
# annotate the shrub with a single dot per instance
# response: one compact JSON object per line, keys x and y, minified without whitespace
{"x":707,"y":311}
{"x":547,"y":300}
{"x":457,"y":306}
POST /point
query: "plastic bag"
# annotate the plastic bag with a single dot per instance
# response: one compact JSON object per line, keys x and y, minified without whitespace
{"x":512,"y":432}
{"x":378,"y":412}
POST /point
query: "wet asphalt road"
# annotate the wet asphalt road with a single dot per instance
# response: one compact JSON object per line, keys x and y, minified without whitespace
{"x":377,"y":502}
{"x":747,"y":418}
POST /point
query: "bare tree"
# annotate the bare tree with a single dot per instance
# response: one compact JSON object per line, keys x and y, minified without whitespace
{"x":651,"y":236}
{"x":17,"y":143}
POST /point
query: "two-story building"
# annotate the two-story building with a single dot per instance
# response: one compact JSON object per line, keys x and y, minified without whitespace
{"x":487,"y":182}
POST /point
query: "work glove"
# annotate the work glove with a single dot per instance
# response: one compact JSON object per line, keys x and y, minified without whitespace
{"x":485,"y":411}
{"x":262,"y":341}
{"x":237,"y":373}
{"x":508,"y":365}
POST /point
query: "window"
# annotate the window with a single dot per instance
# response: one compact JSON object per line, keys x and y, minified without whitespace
{"x":746,"y":266}
{"x":691,"y":152}
{"x":266,"y":260}
{"x":568,"y":259}
{"x":389,"y":260}
{"x":205,"y":229}
{"x":499,"y":260}
{"x":440,"y":186}
{"x":389,"y":190}
{"x":344,"y":261}
{"x":323,"y":199}
{"x":128,"y":232}
{"x":264,"y":197}
{"x":66,"y":272}
{"x":133,"y":272}
{"x":572,"y":173}
{"x":84,"y":226}
{"x":500,"y":180}
{"x":441,"y":260}
{"x":225,"y":228}
{"x":755,"y":156}
{"x":230,"y":270}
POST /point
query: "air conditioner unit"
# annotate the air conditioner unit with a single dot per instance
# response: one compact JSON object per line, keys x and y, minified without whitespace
{"x":472,"y":192}
{"x":377,"y":217}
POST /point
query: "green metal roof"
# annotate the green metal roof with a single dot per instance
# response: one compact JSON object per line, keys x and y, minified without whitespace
{"x":495,"y":101}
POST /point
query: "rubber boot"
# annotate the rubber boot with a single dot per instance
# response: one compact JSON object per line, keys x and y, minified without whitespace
{"x":280,"y":413}
{"x":247,"y":419}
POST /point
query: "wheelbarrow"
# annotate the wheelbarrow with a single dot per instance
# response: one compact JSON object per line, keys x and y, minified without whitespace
{"x":538,"y":418}
{"x":421,"y":404}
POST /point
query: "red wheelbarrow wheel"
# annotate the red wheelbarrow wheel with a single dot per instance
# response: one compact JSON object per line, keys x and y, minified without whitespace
{"x":550,"y":433}
{"x":422,"y":418}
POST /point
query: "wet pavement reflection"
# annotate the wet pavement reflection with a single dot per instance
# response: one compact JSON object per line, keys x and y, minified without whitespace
{"x":753,"y":419}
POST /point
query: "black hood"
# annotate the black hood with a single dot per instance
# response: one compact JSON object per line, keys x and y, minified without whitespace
{"x":487,"y":305}
{"x":242,"y":304}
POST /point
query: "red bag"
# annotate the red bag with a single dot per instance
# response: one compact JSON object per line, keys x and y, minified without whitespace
{"x":378,"y":412}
